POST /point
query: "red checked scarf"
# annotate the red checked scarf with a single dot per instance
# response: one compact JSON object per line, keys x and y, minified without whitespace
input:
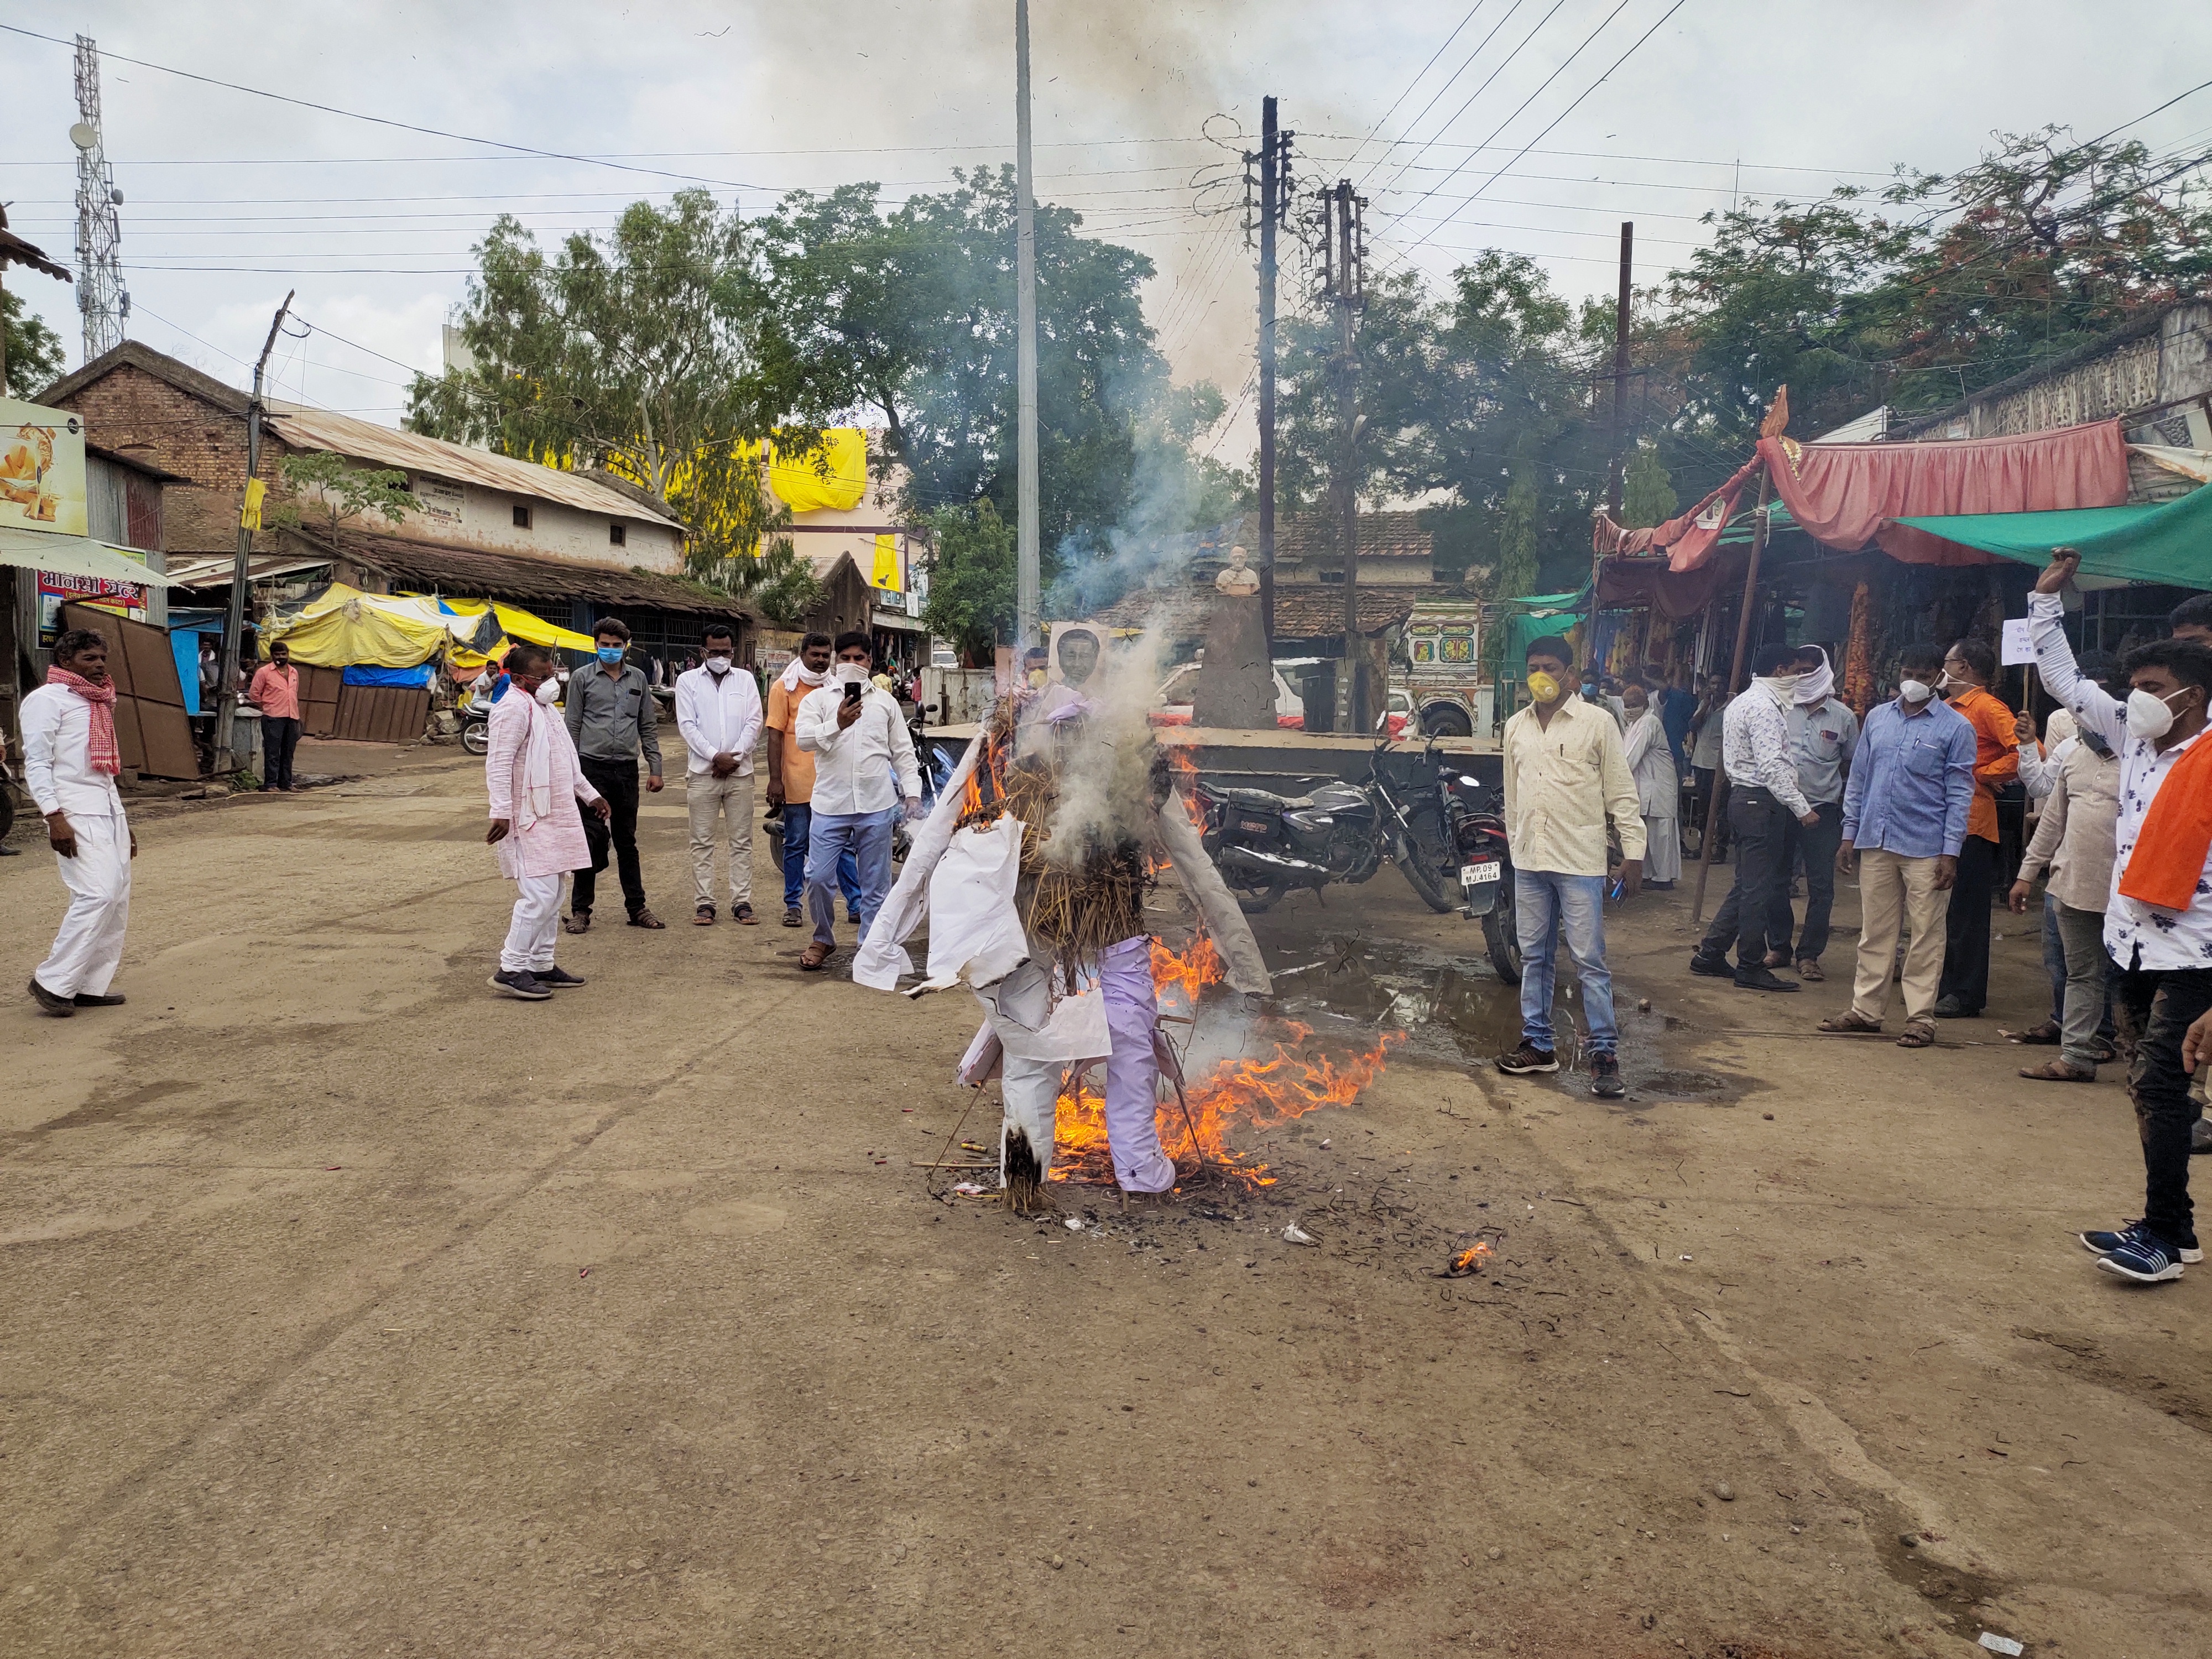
{"x":101,"y":750}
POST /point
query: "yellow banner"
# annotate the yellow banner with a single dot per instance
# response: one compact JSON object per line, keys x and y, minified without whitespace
{"x":887,"y":573}
{"x":249,"y":516}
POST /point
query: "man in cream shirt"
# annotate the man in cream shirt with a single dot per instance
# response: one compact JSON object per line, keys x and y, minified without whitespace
{"x":1566,"y":771}
{"x":864,"y":769}
{"x":717,"y":712}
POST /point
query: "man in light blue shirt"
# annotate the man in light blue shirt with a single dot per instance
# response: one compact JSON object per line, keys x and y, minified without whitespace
{"x":1905,"y":810}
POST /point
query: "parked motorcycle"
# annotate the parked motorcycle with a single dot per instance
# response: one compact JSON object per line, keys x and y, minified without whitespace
{"x":1265,"y":844}
{"x":476,"y":722}
{"x":1477,"y":814}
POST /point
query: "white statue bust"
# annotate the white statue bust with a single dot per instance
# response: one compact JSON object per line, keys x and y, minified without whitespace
{"x":1237,"y":578}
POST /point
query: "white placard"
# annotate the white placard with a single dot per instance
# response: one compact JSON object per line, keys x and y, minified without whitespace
{"x":2017,"y":650}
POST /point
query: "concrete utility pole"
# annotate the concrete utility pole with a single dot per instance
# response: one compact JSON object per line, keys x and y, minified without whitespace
{"x":226,"y":694}
{"x":101,"y":296}
{"x":1344,"y":255}
{"x":1274,"y":204}
{"x":1028,"y":581}
{"x":1616,"y":468}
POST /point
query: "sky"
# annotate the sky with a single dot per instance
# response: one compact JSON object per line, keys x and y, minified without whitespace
{"x":1530,"y":125}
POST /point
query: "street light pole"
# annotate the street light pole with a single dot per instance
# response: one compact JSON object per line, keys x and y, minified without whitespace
{"x":1028,"y":581}
{"x":226,"y":717}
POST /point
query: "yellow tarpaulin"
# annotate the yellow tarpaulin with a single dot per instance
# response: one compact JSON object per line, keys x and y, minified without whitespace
{"x":834,"y":477}
{"x":345,"y":627}
{"x":519,"y":624}
{"x":886,"y":574}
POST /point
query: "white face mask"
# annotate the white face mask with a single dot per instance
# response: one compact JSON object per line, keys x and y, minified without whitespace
{"x":1914,"y":691}
{"x":850,"y":673}
{"x":718,"y":666}
{"x":550,"y":693}
{"x":2150,"y":717}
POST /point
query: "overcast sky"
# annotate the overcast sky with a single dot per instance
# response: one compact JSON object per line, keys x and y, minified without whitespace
{"x":231,"y":198}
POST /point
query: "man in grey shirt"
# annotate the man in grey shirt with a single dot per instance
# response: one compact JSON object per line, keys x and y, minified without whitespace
{"x":611,"y":715}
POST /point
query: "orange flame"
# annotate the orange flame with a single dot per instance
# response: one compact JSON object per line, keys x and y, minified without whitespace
{"x":1471,"y":1259}
{"x":1249,"y":1094}
{"x":1182,"y":766}
{"x":1196,"y":966}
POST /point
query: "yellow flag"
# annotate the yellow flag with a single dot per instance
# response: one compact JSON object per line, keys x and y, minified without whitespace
{"x":249,"y":517}
{"x":887,"y":565}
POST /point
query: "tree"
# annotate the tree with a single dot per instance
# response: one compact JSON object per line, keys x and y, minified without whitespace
{"x":1647,"y":494}
{"x":971,"y":579}
{"x":34,"y":350}
{"x":783,"y":585}
{"x":341,"y":493}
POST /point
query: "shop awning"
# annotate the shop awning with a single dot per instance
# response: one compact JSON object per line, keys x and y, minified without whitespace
{"x":2170,"y":542}
{"x":73,"y":555}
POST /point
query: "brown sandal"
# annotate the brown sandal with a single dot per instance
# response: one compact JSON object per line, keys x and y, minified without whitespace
{"x":1850,"y":1021}
{"x":2057,"y":1071}
{"x":1918,"y":1033}
{"x":645,"y":919}
{"x":2046,"y":1035}
{"x":811,"y":958}
{"x":1809,"y":968}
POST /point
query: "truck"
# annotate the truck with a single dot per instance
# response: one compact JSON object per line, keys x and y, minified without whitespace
{"x":1436,"y":683}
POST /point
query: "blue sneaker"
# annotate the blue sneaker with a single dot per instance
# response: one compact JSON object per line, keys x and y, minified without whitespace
{"x":2145,"y":1258}
{"x":2103,"y":1243}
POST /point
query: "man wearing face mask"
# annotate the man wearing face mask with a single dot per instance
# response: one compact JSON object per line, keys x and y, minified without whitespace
{"x":1658,"y":787}
{"x":2158,"y":916}
{"x":611,"y":715}
{"x":864,"y":776}
{"x":717,"y":712}
{"x":534,"y":780}
{"x":1904,"y":816}
{"x":1823,"y":732}
{"x":791,"y":776}
{"x":1967,"y":671}
{"x":1763,"y":797}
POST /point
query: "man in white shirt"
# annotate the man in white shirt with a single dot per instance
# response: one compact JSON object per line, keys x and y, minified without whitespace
{"x":70,"y":762}
{"x":1565,"y":774}
{"x":865,"y":774}
{"x":717,"y":712}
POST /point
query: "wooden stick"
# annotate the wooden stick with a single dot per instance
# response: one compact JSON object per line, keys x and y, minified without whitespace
{"x":929,"y":1164}
{"x":1736,"y":672}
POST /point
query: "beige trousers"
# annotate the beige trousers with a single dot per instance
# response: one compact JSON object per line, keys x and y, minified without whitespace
{"x":1898,"y":893}
{"x":706,"y":795}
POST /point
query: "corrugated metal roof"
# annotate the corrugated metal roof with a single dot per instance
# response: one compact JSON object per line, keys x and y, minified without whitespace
{"x":476,"y":573}
{"x":319,"y":428}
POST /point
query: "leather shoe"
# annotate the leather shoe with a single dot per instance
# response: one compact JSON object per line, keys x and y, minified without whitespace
{"x":59,"y":1007}
{"x":1711,"y":967}
{"x":86,"y":1000}
{"x":1762,"y":979}
{"x":1952,"y":1008}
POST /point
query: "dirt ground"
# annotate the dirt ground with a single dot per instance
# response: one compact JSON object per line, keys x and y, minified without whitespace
{"x":352,"y":1309}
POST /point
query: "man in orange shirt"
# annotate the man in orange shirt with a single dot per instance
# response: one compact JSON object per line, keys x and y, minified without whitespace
{"x":1967,"y":672}
{"x":275,"y":692}
{"x":791,"y":776}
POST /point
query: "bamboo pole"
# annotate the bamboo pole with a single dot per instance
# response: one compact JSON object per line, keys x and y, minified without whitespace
{"x":1735,"y":677}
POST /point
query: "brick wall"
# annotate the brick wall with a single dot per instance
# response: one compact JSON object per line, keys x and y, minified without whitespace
{"x":127,"y":408}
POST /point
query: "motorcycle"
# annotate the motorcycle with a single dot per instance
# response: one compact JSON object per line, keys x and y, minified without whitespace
{"x":1265,"y":844}
{"x":1477,"y":815}
{"x":476,"y":722}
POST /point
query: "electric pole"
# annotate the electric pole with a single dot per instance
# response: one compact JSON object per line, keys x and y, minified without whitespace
{"x":100,"y":296}
{"x":1274,"y":160}
{"x":227,"y":696}
{"x":1028,"y":581}
{"x":1618,"y":465}
{"x":1344,"y":257}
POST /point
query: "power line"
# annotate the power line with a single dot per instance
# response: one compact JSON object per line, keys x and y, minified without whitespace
{"x":1468,"y":102}
{"x":1382,"y":120}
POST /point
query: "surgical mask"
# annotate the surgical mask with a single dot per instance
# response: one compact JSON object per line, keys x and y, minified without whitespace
{"x":1914,"y":691}
{"x":610,"y":654}
{"x":850,"y":673}
{"x":550,"y":693}
{"x":718,"y":666}
{"x":1541,"y":686}
{"x":2150,"y":716}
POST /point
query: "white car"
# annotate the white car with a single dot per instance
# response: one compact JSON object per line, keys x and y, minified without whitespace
{"x":1172,"y":703}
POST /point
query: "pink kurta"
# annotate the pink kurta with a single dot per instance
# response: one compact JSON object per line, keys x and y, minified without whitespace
{"x":555,"y":843}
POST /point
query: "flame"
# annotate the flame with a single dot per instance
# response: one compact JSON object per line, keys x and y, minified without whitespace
{"x":1182,"y":768}
{"x":1198,"y":965}
{"x":1249,"y":1094}
{"x":1471,"y":1259}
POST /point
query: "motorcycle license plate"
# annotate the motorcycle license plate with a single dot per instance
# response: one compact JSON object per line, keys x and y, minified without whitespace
{"x":1252,"y":827}
{"x":1476,"y":875}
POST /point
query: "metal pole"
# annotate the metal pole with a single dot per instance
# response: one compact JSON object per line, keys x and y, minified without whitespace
{"x":1348,"y":486}
{"x":1028,"y":579}
{"x":1736,"y":672}
{"x":226,"y":692}
{"x":1270,"y":184}
{"x":1612,"y":483}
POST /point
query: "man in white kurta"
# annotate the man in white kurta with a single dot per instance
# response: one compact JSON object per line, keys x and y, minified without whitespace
{"x":71,"y":763}
{"x":1658,"y":788}
{"x":534,"y":782}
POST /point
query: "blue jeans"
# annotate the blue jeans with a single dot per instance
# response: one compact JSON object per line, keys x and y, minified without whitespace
{"x":797,"y":817}
{"x":1545,"y":902}
{"x":834,"y":837}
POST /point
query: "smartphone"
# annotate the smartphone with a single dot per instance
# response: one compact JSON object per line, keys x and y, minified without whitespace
{"x":853,"y":691}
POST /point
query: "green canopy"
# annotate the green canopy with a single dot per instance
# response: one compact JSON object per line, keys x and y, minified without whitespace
{"x":2170,"y":542}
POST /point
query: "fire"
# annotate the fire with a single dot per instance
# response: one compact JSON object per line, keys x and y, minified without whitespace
{"x":1247,"y":1094}
{"x":1198,"y":965}
{"x":1182,"y":766}
{"x":1470,"y":1260}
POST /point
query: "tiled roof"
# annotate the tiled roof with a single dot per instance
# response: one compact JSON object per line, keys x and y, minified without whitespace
{"x":1304,"y":536}
{"x":1304,"y":611}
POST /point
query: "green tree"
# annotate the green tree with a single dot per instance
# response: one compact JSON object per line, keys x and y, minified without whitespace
{"x":321,"y":482}
{"x":783,"y":585}
{"x":34,"y":350}
{"x":1647,"y":494}
{"x":971,"y":579}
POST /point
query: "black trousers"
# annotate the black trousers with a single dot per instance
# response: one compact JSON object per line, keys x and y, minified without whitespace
{"x":1760,"y":824}
{"x":1818,"y":843}
{"x":618,"y":782}
{"x":1966,"y":937}
{"x":2154,"y":1007}
{"x":279,"y":739}
{"x":1705,"y":779}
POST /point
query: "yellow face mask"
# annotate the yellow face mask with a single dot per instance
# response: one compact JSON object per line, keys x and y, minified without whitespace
{"x":1036,"y":678}
{"x":1542,"y":687}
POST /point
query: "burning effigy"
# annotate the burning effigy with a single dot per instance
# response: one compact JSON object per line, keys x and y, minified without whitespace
{"x":1033,"y":869}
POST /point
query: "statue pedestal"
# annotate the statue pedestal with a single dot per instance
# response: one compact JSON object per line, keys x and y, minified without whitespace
{"x":1235,"y":684}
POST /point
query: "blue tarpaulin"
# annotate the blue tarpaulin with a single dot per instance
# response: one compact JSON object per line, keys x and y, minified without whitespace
{"x":414,"y":678}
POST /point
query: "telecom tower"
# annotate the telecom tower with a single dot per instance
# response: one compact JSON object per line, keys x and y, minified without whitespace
{"x":100,"y":295}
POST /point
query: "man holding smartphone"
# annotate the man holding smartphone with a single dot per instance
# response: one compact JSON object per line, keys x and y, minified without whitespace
{"x":865,"y":775}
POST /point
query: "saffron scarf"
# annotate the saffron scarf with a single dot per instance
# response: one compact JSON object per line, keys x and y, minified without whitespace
{"x":2168,"y":861}
{"x":101,"y":750}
